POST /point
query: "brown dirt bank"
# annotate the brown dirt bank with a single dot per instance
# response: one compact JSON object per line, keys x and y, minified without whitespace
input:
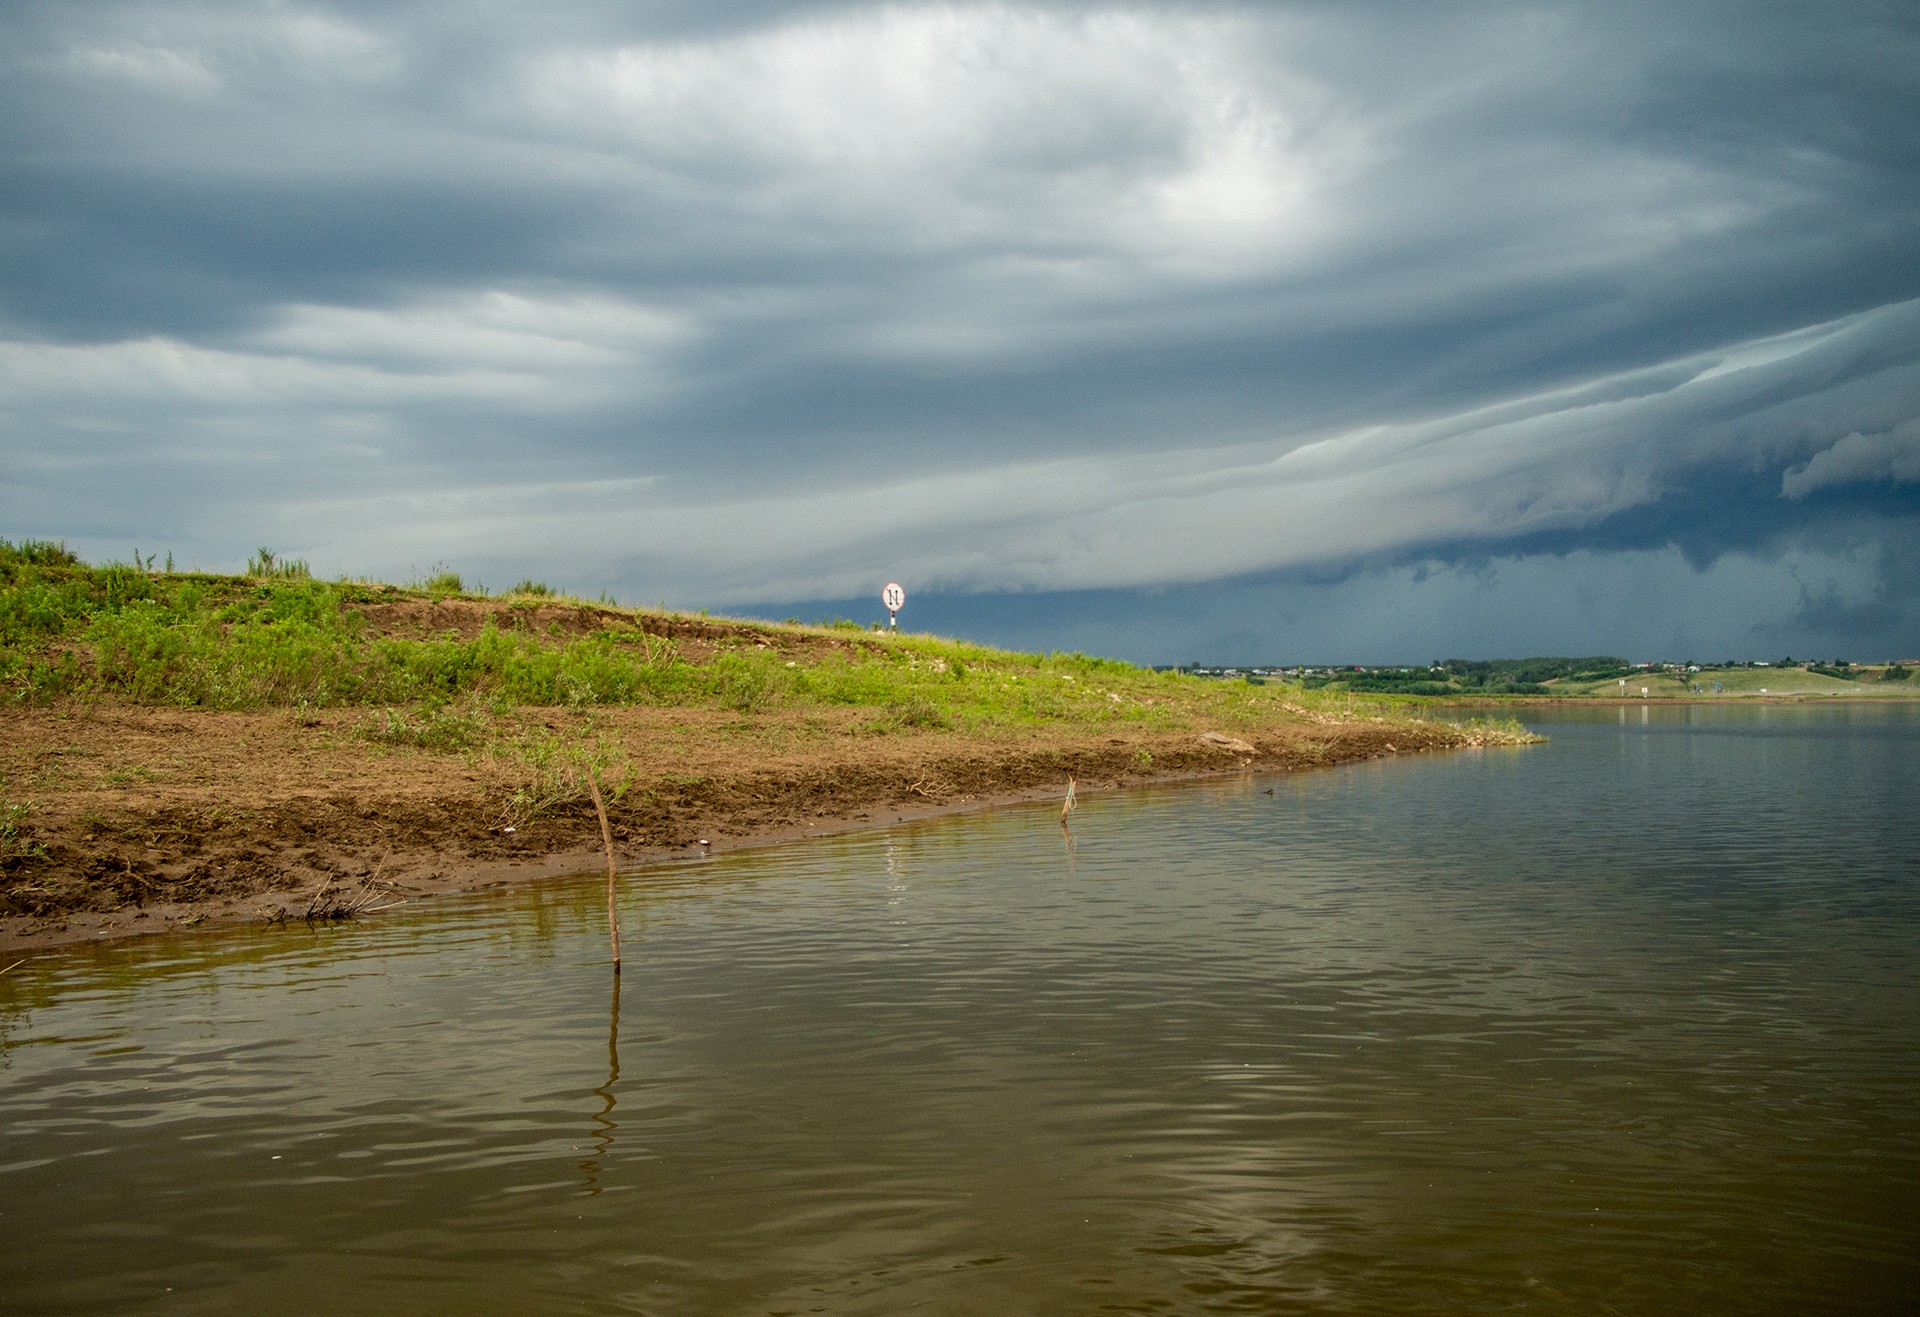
{"x":139,"y":819}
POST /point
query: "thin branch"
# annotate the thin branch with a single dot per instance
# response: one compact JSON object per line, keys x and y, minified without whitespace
{"x":606,"y":836}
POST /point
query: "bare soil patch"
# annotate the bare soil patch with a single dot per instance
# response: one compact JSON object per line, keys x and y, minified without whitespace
{"x":141,"y":819}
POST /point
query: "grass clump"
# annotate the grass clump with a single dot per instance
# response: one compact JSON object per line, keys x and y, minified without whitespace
{"x":441,"y":727}
{"x":746,"y":684}
{"x":266,"y":565}
{"x":1498,"y":731}
{"x":15,"y":843}
{"x":913,"y":711}
{"x":36,"y":553}
{"x":557,"y":770}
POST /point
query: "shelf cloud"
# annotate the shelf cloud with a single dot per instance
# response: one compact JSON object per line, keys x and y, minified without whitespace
{"x":1353,"y":331}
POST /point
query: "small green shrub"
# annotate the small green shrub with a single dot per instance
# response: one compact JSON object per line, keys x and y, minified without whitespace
{"x":741,"y":683}
{"x":432,"y":727}
{"x":267,"y":565}
{"x":840,"y":680}
{"x":914,"y":711}
{"x":37,"y":553}
{"x":25,"y":680}
{"x":556,"y":768}
{"x":1497,"y":731}
{"x":14,"y":842}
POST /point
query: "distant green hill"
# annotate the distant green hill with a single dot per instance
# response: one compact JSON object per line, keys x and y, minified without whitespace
{"x":1480,"y":677}
{"x":1609,"y":677}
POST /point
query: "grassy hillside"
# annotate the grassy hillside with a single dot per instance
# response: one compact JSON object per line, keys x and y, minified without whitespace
{"x":179,"y":745}
{"x":279,"y":638}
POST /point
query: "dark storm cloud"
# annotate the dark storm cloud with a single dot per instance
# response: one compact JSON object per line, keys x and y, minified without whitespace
{"x":754,"y":302}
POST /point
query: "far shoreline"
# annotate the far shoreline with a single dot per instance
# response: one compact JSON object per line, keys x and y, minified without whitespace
{"x":1512,"y":702}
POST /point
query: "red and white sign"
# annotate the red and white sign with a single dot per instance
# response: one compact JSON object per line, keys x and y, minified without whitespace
{"x":893,"y":596}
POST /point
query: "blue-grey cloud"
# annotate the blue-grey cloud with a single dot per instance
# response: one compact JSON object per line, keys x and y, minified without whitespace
{"x":761,"y":304}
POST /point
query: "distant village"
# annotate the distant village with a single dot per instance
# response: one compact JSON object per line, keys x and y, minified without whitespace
{"x":1602,"y":675}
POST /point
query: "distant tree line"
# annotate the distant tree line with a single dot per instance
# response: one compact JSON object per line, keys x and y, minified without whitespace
{"x":1536,"y":671}
{"x":1527,"y":676}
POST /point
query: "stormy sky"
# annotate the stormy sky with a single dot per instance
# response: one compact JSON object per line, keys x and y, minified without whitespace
{"x":1353,"y":331}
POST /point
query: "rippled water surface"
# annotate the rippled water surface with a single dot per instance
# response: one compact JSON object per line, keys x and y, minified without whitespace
{"x":1625,"y":1023}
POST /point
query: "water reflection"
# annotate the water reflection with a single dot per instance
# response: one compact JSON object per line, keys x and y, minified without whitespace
{"x":603,"y":1122}
{"x":1623,"y":1022}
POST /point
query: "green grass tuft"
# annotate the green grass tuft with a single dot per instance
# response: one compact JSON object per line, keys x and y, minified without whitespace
{"x":14,"y":841}
{"x":266,"y":565}
{"x":432,"y":726}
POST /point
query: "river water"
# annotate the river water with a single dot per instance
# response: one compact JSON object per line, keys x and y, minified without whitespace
{"x":1624,"y":1023}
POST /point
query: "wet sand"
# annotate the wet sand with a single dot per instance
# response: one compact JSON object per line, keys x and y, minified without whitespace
{"x":140,"y":819}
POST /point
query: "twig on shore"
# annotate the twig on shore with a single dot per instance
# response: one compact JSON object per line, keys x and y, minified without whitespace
{"x":606,"y":836}
{"x":324,"y":905}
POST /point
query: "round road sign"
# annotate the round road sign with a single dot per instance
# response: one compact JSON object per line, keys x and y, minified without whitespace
{"x":893,"y":596}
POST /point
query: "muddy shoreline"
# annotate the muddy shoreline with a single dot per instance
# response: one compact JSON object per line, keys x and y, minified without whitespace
{"x":144,"y":820}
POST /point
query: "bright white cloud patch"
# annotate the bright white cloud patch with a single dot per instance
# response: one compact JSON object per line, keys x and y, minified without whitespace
{"x":1892,"y":456}
{"x":176,"y":72}
{"x":1115,"y":133}
{"x":585,"y":338}
{"x":213,"y":52}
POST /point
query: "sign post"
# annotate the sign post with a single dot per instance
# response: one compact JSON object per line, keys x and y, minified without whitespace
{"x":893,"y":596}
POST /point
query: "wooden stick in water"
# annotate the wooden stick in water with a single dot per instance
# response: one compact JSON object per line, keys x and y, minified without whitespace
{"x":606,"y":836}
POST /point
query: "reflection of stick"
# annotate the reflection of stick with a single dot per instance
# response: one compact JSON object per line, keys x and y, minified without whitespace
{"x":1067,"y":808}
{"x":606,"y":835}
{"x":603,"y":1136}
